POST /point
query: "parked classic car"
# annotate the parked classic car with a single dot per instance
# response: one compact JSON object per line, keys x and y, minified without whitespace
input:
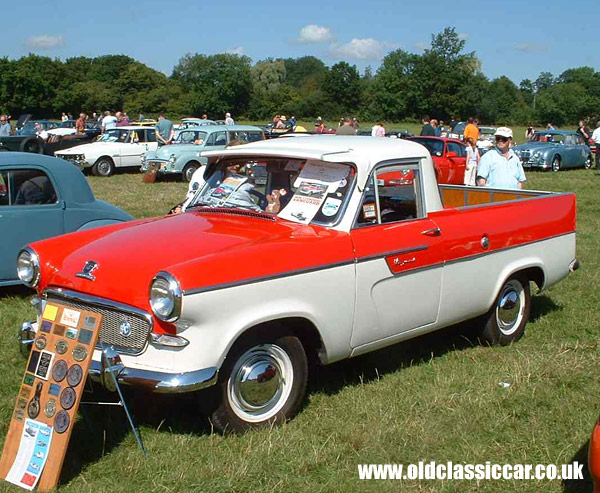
{"x":555,"y":150}
{"x":40,"y":197}
{"x":449,"y":158}
{"x":194,"y":122}
{"x":487,"y":139}
{"x":239,"y":299}
{"x":183,"y":156}
{"x":116,"y":148}
{"x":32,"y":127}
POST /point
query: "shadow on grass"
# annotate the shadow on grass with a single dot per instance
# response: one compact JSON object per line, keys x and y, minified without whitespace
{"x":16,"y":291}
{"x":542,"y":305}
{"x":580,"y":485}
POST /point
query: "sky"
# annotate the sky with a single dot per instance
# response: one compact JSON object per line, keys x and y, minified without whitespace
{"x":517,"y":39}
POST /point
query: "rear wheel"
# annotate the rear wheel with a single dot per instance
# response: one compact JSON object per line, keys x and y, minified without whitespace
{"x":262,"y":382}
{"x":505,"y":321}
{"x":32,"y":145}
{"x":556,"y":163}
{"x":588,"y":162}
{"x":103,"y":167}
{"x":189,"y":170}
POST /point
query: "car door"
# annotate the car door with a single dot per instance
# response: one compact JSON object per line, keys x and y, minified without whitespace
{"x":399,"y":257}
{"x":132,"y":148}
{"x":151,"y":142}
{"x":30,"y":210}
{"x":456,"y":155}
{"x":216,"y":140}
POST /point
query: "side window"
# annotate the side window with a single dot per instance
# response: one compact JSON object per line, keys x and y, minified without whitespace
{"x":392,"y":194}
{"x":150,"y":135}
{"x":456,"y":149}
{"x":31,"y":187}
{"x":220,"y":139}
{"x":3,"y":188}
{"x":246,"y":136}
{"x":187,"y":137}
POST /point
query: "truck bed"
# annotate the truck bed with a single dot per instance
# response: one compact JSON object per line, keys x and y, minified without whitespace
{"x":460,"y":196}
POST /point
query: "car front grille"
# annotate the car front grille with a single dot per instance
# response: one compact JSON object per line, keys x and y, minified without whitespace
{"x":112,"y":318}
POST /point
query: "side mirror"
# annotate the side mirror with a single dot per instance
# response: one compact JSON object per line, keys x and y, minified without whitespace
{"x":451,"y":154}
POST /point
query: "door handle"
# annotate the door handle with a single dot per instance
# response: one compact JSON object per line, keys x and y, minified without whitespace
{"x":432,"y":232}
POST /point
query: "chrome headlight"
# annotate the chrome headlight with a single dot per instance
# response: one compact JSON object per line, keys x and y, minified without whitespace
{"x":537,"y":154}
{"x":166,"y":297}
{"x":28,"y":267}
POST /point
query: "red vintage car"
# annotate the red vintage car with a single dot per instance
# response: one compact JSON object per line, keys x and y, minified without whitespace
{"x":449,"y":158}
{"x":594,"y":456}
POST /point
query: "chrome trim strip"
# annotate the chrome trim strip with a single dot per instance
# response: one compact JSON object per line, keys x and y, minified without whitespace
{"x":394,"y":252}
{"x":159,"y":382}
{"x":308,"y":270}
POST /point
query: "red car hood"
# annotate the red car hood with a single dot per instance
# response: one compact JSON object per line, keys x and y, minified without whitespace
{"x":203,"y":250}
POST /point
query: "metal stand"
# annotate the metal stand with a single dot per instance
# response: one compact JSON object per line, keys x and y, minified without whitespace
{"x":111,"y":367}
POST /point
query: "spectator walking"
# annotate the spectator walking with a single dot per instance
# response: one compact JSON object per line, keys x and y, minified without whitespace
{"x":584,"y":132}
{"x":427,"y":129}
{"x":500,"y":167}
{"x":550,"y":126}
{"x":320,"y":126}
{"x":204,"y":116}
{"x":164,"y":130}
{"x":374,"y":129}
{"x":596,"y":139}
{"x":471,"y":130}
{"x":5,"y":128}
{"x":356,"y":125}
{"x":63,"y":117}
{"x":292,"y":121}
{"x":380,"y":132}
{"x":228,"y":119}
{"x":108,"y":122}
{"x":69,"y":116}
{"x":436,"y":128}
{"x":80,"y":123}
{"x":347,"y":128}
{"x":471,"y":163}
{"x":122,"y":121}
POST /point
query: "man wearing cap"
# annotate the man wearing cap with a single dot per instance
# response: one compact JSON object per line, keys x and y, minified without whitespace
{"x":228,"y":119}
{"x":500,"y":167}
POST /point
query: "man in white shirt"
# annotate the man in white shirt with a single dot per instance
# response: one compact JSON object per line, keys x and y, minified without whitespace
{"x":228,"y":119}
{"x":108,"y":122}
{"x":596,"y":139}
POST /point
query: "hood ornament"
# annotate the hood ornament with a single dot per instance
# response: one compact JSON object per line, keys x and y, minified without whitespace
{"x":86,"y":273}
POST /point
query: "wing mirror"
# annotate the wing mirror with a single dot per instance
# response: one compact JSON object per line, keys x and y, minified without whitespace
{"x":451,"y":154}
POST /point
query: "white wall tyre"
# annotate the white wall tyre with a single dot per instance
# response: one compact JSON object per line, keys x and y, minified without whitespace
{"x":262,"y":382}
{"x":189,"y":170}
{"x":588,"y":162}
{"x":505,"y":322}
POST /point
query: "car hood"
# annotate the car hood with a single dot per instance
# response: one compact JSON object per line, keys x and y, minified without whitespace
{"x":165,"y":151}
{"x":92,"y":147}
{"x":537,"y":146}
{"x":203,"y":249}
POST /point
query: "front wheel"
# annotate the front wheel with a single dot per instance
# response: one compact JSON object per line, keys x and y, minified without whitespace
{"x":103,"y":167}
{"x":505,"y":321}
{"x":588,"y":162}
{"x":189,"y":170}
{"x":556,"y":163}
{"x":263,"y":382}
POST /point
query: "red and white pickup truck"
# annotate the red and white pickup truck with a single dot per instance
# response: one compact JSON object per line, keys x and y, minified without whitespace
{"x":360,"y":249}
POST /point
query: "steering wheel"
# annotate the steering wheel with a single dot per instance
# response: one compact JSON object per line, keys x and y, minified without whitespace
{"x":262,"y":199}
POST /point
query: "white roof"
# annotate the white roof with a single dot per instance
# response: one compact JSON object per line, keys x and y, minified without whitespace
{"x":364,"y":152}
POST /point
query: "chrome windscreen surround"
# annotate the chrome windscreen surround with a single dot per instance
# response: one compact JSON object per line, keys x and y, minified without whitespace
{"x":116,"y":317}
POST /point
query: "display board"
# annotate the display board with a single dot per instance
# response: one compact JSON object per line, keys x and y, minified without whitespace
{"x":49,"y":397}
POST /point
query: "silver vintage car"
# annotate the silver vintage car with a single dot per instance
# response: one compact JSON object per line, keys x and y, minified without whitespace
{"x":555,"y":150}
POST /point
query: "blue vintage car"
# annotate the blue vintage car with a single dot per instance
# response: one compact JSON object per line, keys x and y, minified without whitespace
{"x":555,"y":149}
{"x":183,"y":156}
{"x":40,"y":197}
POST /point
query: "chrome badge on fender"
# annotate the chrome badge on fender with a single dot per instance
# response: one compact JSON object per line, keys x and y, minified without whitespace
{"x":89,"y":267}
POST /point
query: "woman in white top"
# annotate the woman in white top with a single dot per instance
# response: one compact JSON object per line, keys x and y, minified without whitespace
{"x":472,"y":162}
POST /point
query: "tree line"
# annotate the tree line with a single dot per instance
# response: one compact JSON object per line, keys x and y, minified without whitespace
{"x":444,"y":81}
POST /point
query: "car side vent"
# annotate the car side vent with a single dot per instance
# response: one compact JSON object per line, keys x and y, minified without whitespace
{"x":236,"y":212}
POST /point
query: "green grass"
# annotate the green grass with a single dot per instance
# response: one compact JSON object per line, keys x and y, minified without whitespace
{"x":435,"y":398}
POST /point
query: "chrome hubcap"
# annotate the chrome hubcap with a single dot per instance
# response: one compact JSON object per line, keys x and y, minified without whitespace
{"x":260,"y":383}
{"x":509,"y":311}
{"x":103,"y":167}
{"x":189,"y":173}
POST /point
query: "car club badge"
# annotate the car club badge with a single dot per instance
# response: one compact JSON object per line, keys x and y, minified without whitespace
{"x":125,"y":328}
{"x":67,"y":398}
{"x":86,"y":273}
{"x":61,"y":421}
{"x":59,"y":371}
{"x":79,"y":353}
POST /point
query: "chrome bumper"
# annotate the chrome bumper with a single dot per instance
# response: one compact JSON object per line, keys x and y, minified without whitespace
{"x":154,"y":381}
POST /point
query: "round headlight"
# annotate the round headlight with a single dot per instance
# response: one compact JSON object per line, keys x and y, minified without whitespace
{"x":166,"y":297}
{"x":172,"y":158}
{"x":28,"y":267}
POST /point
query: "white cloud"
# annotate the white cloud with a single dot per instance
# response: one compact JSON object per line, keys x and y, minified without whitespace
{"x":463,"y":36}
{"x":45,"y":42}
{"x":531,"y":47}
{"x":238,"y":50}
{"x":362,"y":49}
{"x":314,"y":34}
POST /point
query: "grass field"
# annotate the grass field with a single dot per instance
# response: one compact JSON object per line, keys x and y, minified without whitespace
{"x":435,"y":398}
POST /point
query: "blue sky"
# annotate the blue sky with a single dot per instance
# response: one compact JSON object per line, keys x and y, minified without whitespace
{"x":514,"y":38}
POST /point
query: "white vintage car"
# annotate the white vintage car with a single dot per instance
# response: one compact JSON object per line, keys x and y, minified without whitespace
{"x":115,"y":148}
